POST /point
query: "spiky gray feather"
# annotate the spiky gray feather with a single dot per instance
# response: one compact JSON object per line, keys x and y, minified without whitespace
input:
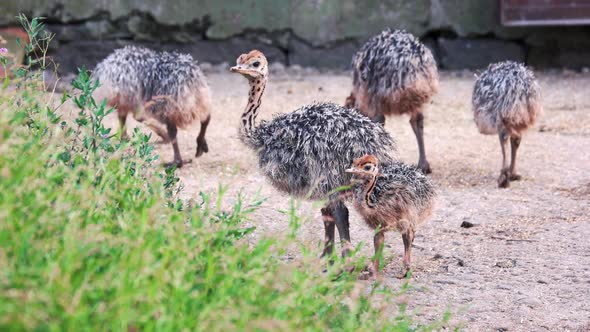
{"x":389,"y":64}
{"x":506,"y":97}
{"x":306,"y":152}
{"x":172,"y":81}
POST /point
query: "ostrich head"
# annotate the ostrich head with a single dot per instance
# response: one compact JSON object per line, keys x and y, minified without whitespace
{"x":366,"y":166}
{"x":253,"y":65}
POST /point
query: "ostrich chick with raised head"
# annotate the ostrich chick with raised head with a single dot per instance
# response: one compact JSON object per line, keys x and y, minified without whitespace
{"x":506,"y":102}
{"x":391,"y":196}
{"x":305,"y":153}
{"x":395,"y":74}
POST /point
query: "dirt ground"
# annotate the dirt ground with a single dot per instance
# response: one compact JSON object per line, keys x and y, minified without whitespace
{"x":525,"y":266}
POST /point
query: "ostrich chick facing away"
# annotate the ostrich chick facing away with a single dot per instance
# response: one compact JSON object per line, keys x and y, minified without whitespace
{"x":393,"y":73}
{"x":506,"y":101}
{"x":391,"y":196}
{"x":157,"y":88}
{"x":305,"y":153}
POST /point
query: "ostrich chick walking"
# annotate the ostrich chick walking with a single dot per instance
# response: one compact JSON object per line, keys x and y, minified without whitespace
{"x":157,"y":88}
{"x":506,"y":101}
{"x":391,"y":196}
{"x":393,"y":73}
{"x":305,"y":153}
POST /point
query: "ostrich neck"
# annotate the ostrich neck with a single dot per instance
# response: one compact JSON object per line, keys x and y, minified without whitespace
{"x":254,"y":100}
{"x":369,"y":190}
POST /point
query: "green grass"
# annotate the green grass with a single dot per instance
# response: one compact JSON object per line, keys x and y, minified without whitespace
{"x":94,"y":238}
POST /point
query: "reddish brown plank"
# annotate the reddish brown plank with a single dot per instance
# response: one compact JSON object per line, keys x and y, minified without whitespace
{"x":544,"y":12}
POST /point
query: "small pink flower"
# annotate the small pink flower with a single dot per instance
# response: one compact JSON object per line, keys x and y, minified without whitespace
{"x":3,"y":50}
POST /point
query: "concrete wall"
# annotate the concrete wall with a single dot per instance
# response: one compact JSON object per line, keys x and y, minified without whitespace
{"x":322,"y":33}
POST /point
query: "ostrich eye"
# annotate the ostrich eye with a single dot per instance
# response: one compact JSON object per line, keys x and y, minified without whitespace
{"x":367,"y":167}
{"x":256,"y":64}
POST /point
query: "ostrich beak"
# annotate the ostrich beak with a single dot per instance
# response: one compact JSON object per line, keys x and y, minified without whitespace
{"x":240,"y":69}
{"x":350,"y":170}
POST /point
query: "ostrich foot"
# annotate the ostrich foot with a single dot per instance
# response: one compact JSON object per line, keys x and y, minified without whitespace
{"x":328,"y":249}
{"x":202,"y":147}
{"x":371,"y":272}
{"x":367,"y":276}
{"x":178,"y":163}
{"x":504,"y":179}
{"x":406,"y":274}
{"x":424,"y":166}
{"x":515,"y":177}
{"x":348,"y":267}
{"x":346,"y":249}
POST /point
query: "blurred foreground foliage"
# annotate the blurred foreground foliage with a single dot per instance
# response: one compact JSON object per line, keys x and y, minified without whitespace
{"x":94,"y":237}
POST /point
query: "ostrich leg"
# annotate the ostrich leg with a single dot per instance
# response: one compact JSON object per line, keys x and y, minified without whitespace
{"x":329,"y":227}
{"x":172,"y":131}
{"x":408,"y":238}
{"x":156,"y":127}
{"x":378,"y":243}
{"x":201,"y":141}
{"x":341,"y":214}
{"x":417,"y":123}
{"x":514,"y":144}
{"x":141,"y":116}
{"x":153,"y":124}
{"x":122,"y":120}
{"x":504,"y":179}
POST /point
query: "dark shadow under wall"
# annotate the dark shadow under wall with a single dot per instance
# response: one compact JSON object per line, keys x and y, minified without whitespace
{"x":85,"y":42}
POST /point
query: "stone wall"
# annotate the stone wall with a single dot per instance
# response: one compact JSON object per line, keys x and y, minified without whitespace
{"x":320,"y":33}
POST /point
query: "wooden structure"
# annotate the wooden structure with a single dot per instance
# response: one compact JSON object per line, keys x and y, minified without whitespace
{"x":544,"y":12}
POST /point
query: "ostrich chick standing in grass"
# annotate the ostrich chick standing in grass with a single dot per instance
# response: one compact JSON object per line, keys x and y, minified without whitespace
{"x":393,"y":73}
{"x":305,"y":153}
{"x":391,"y":196}
{"x":157,"y":88}
{"x":506,"y":101}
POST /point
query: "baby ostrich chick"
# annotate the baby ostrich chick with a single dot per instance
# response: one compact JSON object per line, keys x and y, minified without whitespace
{"x":395,"y":74}
{"x":157,"y":88}
{"x":305,"y":153}
{"x":391,"y":196}
{"x":506,"y":101}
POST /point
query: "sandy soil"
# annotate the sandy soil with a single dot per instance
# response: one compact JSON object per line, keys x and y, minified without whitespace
{"x":525,"y":266}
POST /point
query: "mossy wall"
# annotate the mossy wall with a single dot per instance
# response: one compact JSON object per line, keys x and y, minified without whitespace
{"x":305,"y":32}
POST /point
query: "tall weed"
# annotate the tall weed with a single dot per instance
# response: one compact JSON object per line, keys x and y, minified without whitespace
{"x":94,"y":237}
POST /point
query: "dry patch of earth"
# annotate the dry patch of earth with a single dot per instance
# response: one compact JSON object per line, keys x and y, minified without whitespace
{"x":524,"y":266}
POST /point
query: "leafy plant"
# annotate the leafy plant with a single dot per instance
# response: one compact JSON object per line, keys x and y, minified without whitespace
{"x":93,"y":236}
